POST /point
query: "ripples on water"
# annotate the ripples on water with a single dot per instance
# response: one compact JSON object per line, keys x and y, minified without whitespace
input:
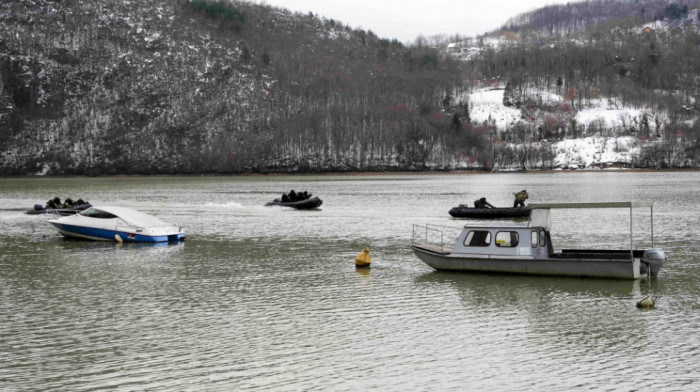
{"x":266,"y":298}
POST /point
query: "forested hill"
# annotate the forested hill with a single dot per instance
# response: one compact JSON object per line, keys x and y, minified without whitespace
{"x":597,"y":83}
{"x":207,"y":86}
{"x":173,"y":86}
{"x":576,"y":16}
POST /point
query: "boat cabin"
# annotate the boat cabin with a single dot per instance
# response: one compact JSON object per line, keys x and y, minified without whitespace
{"x":513,"y":242}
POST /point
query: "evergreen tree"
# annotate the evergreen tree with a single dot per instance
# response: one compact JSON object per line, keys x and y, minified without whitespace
{"x":508,"y":95}
{"x":466,"y":116}
{"x":559,"y":84}
{"x":456,"y":122}
{"x":447,"y":100}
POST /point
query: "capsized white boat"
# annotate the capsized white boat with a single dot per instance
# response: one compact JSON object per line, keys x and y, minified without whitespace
{"x":528,"y":249}
{"x":117,"y":224}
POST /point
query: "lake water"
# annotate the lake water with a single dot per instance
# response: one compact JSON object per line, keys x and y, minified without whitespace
{"x":268,"y":298}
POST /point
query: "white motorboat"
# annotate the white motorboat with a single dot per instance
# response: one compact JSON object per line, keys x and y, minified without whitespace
{"x":117,"y":224}
{"x":528,"y":249}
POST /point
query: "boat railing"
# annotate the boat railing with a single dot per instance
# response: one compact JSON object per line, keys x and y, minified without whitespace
{"x":432,"y":236}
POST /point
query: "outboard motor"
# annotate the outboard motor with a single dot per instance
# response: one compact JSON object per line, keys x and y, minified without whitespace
{"x":654,"y":258}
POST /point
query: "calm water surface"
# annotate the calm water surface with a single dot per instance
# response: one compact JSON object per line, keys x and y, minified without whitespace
{"x":267,"y":298}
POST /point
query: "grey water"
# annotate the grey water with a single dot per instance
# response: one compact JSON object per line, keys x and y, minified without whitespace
{"x":268,"y":298}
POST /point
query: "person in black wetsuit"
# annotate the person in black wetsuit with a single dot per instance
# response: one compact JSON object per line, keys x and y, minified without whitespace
{"x":293,"y":196}
{"x":482,"y":203}
{"x":54,"y":203}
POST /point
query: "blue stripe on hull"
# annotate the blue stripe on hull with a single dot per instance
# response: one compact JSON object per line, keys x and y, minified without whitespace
{"x":108,"y":235}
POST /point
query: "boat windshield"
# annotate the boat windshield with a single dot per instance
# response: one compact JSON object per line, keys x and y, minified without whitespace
{"x":97,"y":213}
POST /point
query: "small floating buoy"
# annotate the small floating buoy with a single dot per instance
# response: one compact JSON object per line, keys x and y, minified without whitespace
{"x":363,"y":260}
{"x":648,"y":302}
{"x":118,"y":238}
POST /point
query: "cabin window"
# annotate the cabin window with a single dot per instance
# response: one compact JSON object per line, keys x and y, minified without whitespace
{"x":95,"y":213}
{"x":543,"y":239}
{"x":507,"y":239}
{"x":478,"y":238}
{"x":533,"y":238}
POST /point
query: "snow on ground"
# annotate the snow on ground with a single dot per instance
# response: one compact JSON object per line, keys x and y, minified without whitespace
{"x":487,"y":102}
{"x":493,"y":42}
{"x":607,"y":112}
{"x":592,"y":151}
{"x":545,"y":97}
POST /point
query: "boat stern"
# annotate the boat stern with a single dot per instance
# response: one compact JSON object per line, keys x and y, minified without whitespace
{"x":176,"y":237}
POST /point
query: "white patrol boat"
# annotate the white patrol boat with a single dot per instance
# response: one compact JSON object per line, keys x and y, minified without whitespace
{"x":528,"y":249}
{"x":119,"y":224}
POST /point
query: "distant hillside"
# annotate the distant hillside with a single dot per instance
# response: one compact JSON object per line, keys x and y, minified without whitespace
{"x":606,"y":76}
{"x":205,"y":86}
{"x":202,"y":86}
{"x":562,"y":19}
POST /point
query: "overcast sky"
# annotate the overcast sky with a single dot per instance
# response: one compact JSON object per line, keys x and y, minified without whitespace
{"x":406,"y":19}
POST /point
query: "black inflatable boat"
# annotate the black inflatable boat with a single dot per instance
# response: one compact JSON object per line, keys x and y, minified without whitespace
{"x":464,"y":211}
{"x":307,"y":204}
{"x":38,"y":209}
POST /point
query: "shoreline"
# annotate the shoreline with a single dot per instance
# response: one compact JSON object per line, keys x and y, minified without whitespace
{"x":371,"y":173}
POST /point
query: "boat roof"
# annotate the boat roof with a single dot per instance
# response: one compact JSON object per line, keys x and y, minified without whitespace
{"x":510,"y":227}
{"x":136,"y":218}
{"x":611,"y":204}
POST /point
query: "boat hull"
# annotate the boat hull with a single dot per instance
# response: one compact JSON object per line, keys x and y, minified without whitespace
{"x":489,"y":213}
{"x":574,"y":267}
{"x":98,"y":234}
{"x":307,"y":204}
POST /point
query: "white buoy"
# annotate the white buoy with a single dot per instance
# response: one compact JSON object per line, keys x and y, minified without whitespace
{"x":118,"y":238}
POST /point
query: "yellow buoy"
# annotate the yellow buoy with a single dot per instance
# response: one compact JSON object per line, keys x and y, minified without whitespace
{"x":363,"y":260}
{"x":118,"y":238}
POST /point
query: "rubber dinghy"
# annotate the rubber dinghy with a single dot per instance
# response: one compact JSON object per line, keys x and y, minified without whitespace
{"x":38,"y":209}
{"x":464,"y":211}
{"x":307,"y":204}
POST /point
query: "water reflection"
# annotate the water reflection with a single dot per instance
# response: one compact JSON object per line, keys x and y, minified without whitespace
{"x":363,"y":271}
{"x":477,"y":282}
{"x":599,"y":314}
{"x":70,"y":244}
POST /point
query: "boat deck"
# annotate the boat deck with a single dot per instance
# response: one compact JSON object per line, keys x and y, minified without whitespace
{"x":441,"y":250}
{"x":594,"y":254}
{"x":565,"y":254}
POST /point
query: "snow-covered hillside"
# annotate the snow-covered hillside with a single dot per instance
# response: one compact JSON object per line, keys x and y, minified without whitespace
{"x":621,"y":146}
{"x":596,"y":152}
{"x":486,"y":106}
